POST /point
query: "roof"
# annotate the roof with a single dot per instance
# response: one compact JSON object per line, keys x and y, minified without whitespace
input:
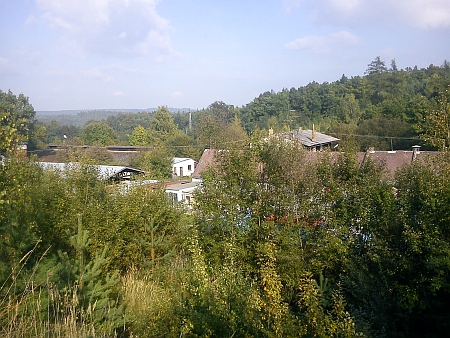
{"x":177,"y":160}
{"x":305,"y":137}
{"x":104,"y":171}
{"x":182,"y":186}
{"x":206,"y":161}
{"x":394,"y":160}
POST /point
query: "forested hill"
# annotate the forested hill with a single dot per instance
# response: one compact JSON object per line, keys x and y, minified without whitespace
{"x":386,"y":108}
{"x":386,"y":101}
{"x":81,"y":117}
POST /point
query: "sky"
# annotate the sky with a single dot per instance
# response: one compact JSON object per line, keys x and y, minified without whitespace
{"x":138,"y":54}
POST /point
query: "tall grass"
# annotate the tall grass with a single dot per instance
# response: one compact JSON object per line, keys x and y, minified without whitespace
{"x":32,"y":307}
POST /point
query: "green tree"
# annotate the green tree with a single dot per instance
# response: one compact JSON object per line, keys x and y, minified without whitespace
{"x":437,"y":123}
{"x":156,"y":162}
{"x":218,"y":126}
{"x":19,"y":179}
{"x":16,"y":120}
{"x":385,"y":134}
{"x":349,"y":110}
{"x":82,"y":278}
{"x":161,"y":126}
{"x":377,"y":66}
{"x":99,"y":134}
{"x":393,"y":68}
{"x":139,"y":136}
{"x":181,"y":145}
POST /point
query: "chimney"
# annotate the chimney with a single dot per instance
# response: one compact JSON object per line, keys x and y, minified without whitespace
{"x":313,"y":134}
{"x":270,"y":132}
{"x":416,"y":151}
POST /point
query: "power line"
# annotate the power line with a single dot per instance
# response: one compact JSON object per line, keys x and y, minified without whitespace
{"x":378,"y":136}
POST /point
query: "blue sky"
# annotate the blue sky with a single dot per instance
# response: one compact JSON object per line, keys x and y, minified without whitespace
{"x":112,"y":54}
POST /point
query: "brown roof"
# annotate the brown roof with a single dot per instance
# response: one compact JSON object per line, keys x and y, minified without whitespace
{"x":393,"y":160}
{"x":206,"y":161}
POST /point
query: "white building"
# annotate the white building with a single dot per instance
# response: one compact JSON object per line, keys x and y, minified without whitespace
{"x":182,"y":192}
{"x":183,"y":166}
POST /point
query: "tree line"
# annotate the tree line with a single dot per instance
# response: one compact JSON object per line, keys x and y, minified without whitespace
{"x":386,"y":109}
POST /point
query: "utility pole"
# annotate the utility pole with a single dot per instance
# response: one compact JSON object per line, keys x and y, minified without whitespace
{"x":190,"y":119}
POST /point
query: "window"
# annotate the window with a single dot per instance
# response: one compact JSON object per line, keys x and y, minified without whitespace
{"x":189,"y":167}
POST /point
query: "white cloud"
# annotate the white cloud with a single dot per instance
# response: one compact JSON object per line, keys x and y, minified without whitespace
{"x":323,"y":44}
{"x":177,"y":94}
{"x":425,"y":14}
{"x":118,"y":93}
{"x":313,"y":42}
{"x":113,"y":27}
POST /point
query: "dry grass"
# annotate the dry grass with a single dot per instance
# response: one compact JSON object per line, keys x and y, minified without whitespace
{"x":150,"y":305}
{"x":47,"y":312}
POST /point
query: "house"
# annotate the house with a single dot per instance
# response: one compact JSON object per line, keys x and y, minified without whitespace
{"x":183,"y":166}
{"x":309,"y":138}
{"x":182,"y":191}
{"x":392,"y":160}
{"x":105,"y":172}
{"x":396,"y":159}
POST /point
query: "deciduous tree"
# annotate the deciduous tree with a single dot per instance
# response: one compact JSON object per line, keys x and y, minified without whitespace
{"x":16,"y":120}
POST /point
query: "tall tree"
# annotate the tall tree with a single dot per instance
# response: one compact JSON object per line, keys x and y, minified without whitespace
{"x":16,"y":120}
{"x":98,"y":134}
{"x":377,"y":66}
{"x":437,"y":127}
{"x":139,"y":136}
{"x":393,"y":68}
{"x":219,"y":125}
{"x":161,"y":125}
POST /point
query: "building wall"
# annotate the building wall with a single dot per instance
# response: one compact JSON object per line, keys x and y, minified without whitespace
{"x":184,"y":168}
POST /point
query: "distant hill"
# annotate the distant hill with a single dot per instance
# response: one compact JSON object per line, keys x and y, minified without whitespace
{"x":80,"y":117}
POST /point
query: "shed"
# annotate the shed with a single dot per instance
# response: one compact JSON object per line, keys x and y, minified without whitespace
{"x":183,"y":166}
{"x":105,"y":172}
{"x":182,"y":192}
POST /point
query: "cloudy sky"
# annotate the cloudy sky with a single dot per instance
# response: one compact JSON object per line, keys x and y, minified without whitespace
{"x":100,"y":54}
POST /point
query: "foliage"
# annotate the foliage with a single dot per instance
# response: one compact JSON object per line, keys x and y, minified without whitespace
{"x":161,"y":126}
{"x":139,"y":136}
{"x":377,"y":66}
{"x":406,"y":95}
{"x":156,"y":162}
{"x":218,"y":126}
{"x":18,"y":213}
{"x":16,"y":120}
{"x":98,"y":134}
{"x":437,"y":127}
{"x":277,"y":243}
{"x":383,"y":133}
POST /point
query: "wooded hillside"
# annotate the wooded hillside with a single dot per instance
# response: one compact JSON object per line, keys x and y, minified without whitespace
{"x":387,"y":109}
